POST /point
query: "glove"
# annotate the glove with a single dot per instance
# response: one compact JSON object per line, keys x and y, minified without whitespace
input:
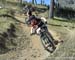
{"x":46,"y":22}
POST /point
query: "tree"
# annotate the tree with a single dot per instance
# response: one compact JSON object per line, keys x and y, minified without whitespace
{"x":32,"y":1}
{"x":65,"y":8}
{"x":41,"y":2}
{"x":66,"y":4}
{"x":51,"y":10}
{"x":20,"y":2}
{"x":35,"y":2}
{"x":3,"y":2}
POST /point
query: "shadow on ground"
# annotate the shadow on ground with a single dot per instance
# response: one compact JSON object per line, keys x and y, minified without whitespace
{"x":6,"y":38}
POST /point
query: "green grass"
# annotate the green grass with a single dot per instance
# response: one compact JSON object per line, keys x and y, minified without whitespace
{"x":17,"y":40}
{"x":3,"y":11}
{"x":62,"y":23}
{"x":66,"y":29}
{"x":5,"y":23}
{"x":66,"y":50}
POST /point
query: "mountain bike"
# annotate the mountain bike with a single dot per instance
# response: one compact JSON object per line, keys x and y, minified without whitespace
{"x":46,"y":39}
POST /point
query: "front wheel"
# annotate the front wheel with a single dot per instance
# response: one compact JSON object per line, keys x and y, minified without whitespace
{"x":47,"y":41}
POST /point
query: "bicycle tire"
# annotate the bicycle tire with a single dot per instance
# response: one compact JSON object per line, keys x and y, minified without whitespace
{"x":48,"y":40}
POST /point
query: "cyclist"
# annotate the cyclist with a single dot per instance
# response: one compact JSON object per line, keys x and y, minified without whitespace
{"x":35,"y":22}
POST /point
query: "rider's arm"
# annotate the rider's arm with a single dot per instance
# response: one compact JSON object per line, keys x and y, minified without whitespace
{"x":44,"y":20}
{"x":29,"y":20}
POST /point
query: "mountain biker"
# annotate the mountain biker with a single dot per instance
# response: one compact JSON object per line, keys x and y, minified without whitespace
{"x":28,"y":7}
{"x":35,"y":22}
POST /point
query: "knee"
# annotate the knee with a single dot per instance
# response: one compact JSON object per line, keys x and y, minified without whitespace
{"x":38,"y":30}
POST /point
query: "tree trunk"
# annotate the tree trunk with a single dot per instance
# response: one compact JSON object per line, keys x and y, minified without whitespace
{"x":32,"y":1}
{"x":51,"y":10}
{"x":20,"y":2}
{"x":35,"y":2}
{"x":41,"y":2}
{"x":4,"y":3}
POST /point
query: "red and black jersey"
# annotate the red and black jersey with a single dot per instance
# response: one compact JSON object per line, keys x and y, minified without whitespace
{"x":35,"y":21}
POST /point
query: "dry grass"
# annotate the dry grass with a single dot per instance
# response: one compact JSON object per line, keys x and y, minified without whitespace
{"x":64,"y":29}
{"x":66,"y":50}
{"x":15,"y":41}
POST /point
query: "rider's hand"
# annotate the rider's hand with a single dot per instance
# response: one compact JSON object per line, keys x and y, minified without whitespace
{"x":46,"y":22}
{"x":35,"y":26}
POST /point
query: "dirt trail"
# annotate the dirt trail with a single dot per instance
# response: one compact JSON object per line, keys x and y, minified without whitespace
{"x":36,"y":50}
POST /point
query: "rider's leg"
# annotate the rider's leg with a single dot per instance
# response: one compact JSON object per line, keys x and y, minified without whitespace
{"x":38,"y":30}
{"x":44,"y":19}
{"x":32,"y":30}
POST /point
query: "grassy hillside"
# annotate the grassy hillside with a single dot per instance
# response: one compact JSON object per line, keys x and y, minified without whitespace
{"x":66,"y":29}
{"x":66,"y":50}
{"x":15,"y":38}
{"x":12,"y":38}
